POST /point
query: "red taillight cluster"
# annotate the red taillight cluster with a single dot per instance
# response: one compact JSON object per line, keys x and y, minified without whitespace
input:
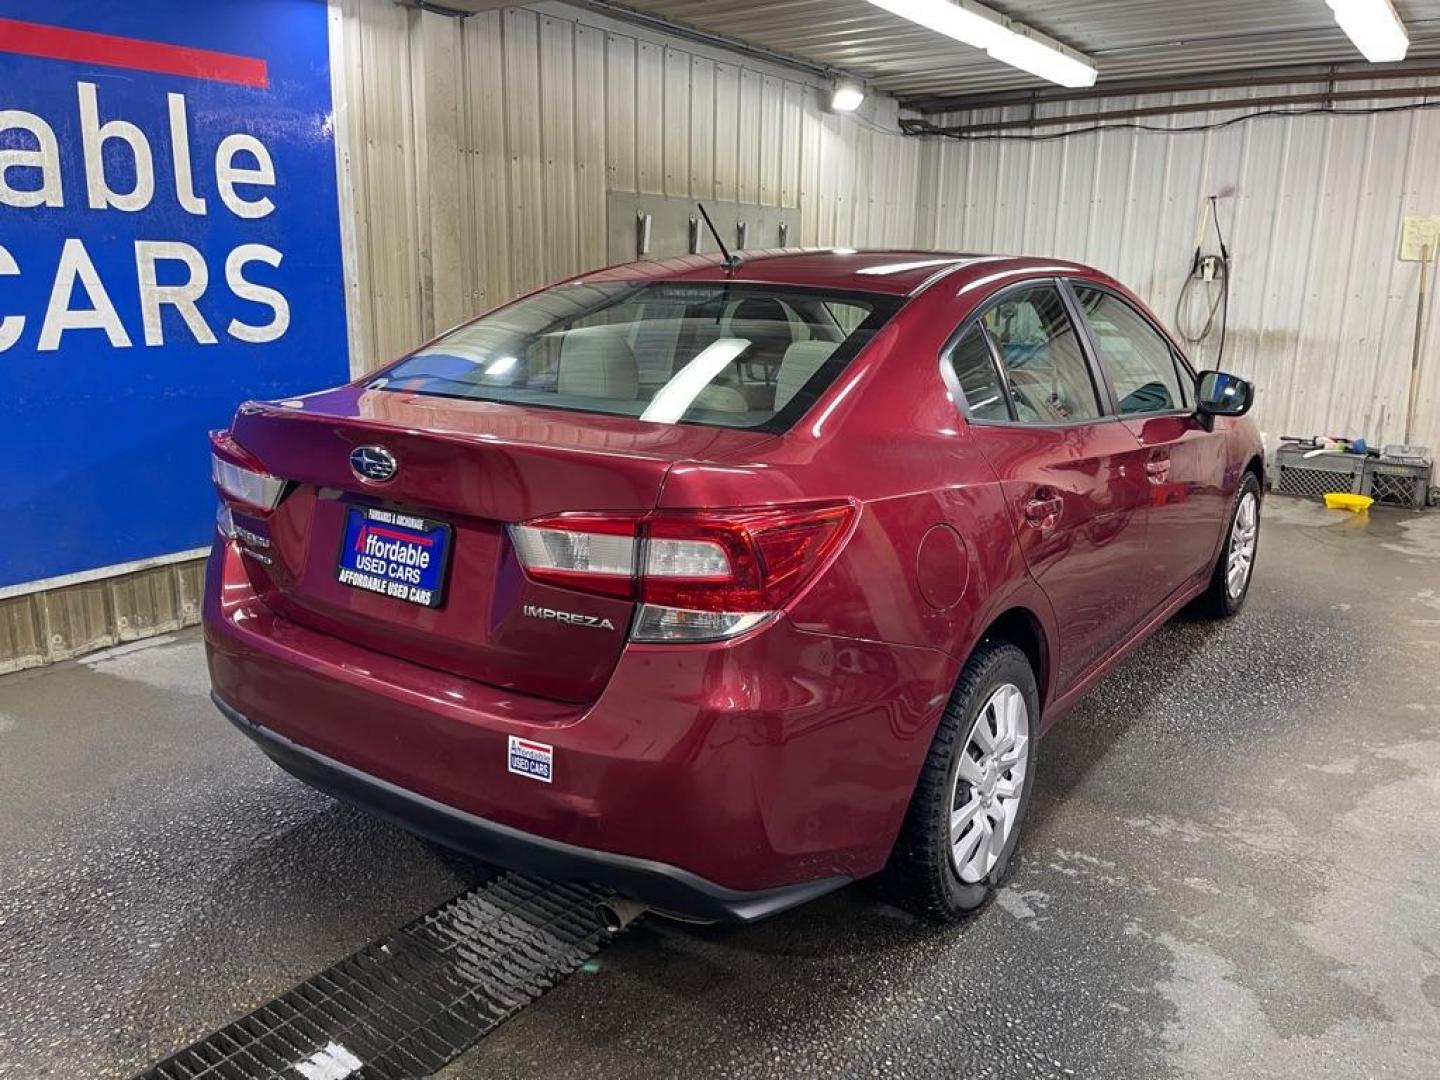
{"x":700,"y":574}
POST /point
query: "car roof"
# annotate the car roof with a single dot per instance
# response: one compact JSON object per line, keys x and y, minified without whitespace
{"x":896,"y":272}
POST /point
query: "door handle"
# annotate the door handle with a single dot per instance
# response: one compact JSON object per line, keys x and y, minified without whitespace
{"x":1157,"y":469}
{"x":1042,"y":511}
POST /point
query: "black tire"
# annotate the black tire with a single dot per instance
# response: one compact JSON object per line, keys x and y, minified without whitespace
{"x":1216,"y":601}
{"x":921,"y":875}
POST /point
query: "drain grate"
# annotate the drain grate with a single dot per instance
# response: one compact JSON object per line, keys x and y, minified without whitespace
{"x":405,"y":1006}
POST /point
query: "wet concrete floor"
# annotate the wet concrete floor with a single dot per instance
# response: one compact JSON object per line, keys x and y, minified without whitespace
{"x":1232,"y":868}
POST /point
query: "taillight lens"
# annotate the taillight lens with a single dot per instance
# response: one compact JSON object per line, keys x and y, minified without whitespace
{"x":590,"y":552}
{"x":700,"y":575}
{"x":240,"y":477}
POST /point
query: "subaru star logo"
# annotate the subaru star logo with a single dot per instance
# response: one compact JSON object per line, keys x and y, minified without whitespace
{"x":373,"y":463}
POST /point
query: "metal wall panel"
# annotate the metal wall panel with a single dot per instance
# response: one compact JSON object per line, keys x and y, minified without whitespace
{"x":1322,"y":310}
{"x":58,"y":624}
{"x":556,"y":107}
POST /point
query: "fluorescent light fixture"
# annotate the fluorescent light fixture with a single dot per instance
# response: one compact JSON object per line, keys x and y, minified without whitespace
{"x":971,"y":24}
{"x":847,"y":96}
{"x":1028,"y":53}
{"x":1374,"y":28}
{"x":1003,"y":39}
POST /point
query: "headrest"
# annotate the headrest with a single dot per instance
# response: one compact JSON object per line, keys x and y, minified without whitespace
{"x":598,"y":364}
{"x":761,"y":319}
{"x":801,"y":361}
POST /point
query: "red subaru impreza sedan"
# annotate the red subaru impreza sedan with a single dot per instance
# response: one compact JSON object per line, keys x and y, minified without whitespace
{"x":727,"y":584}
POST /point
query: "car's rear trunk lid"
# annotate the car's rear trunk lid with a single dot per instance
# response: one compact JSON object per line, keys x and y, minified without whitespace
{"x":465,"y":469}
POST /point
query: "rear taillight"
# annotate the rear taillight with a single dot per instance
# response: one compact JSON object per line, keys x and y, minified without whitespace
{"x":699,"y":575}
{"x":240,"y":477}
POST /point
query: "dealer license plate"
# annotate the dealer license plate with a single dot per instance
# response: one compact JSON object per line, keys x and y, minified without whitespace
{"x":395,"y":554}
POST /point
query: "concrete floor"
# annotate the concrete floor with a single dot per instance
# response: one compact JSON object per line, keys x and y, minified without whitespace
{"x":1232,"y":868}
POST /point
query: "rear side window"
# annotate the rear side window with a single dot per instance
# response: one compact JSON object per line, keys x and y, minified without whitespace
{"x":726,"y":354}
{"x":1044,"y":365}
{"x":979,"y":380}
{"x":1138,"y":359}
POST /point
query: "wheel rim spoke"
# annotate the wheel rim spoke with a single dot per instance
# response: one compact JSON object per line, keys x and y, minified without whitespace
{"x":962,"y":819}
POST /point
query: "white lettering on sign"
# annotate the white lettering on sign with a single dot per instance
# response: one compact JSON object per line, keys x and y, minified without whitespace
{"x":260,"y":294}
{"x":181,"y":297}
{"x":228,"y":174}
{"x":46,"y":158}
{"x":11,"y":326}
{"x":75,"y":265}
{"x":31,"y":176}
{"x":180,"y":155}
{"x":94,"y":135}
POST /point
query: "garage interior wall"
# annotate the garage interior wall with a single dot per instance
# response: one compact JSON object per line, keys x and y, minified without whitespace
{"x":1322,"y":312}
{"x":475,"y":155}
{"x":478,"y":152}
{"x":474,"y":158}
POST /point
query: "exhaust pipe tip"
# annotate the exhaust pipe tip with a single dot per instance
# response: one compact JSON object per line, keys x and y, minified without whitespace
{"x":617,"y":913}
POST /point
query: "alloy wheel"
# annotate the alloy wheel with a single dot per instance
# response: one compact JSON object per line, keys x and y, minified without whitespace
{"x":1243,"y":532}
{"x":989,"y":781}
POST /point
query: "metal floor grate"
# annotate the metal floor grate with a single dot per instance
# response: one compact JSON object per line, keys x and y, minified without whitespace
{"x":405,"y":1006}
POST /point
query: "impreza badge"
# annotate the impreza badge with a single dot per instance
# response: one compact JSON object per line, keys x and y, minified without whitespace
{"x":534,"y":611}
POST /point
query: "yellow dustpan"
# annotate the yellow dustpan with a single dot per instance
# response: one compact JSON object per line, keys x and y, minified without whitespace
{"x":1343,"y":500}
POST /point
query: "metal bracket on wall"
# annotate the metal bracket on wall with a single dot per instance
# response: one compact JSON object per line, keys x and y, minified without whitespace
{"x":674,"y":225}
{"x":643,"y":222}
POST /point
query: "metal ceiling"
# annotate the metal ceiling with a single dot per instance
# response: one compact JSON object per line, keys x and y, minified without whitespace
{"x":1128,"y":39}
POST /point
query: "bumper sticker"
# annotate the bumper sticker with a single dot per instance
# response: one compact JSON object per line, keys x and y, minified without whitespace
{"x":531,"y":759}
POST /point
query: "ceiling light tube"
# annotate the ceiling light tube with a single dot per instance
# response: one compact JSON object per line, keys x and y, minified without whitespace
{"x":971,"y":24}
{"x":1003,"y":39}
{"x":1374,"y":28}
{"x":1028,"y":53}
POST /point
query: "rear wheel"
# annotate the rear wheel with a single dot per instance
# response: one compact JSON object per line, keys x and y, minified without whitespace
{"x":1230,"y":581}
{"x":965,"y":816}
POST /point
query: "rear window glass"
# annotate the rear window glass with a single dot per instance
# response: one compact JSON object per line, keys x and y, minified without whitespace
{"x":731,"y":355}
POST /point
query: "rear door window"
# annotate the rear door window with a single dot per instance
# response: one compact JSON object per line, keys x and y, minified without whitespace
{"x":1048,"y":378}
{"x":721,"y":353}
{"x":1138,"y":359}
{"x":979,"y":379}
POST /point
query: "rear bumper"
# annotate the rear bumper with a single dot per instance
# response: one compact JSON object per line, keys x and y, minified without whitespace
{"x":726,"y":781}
{"x":657,"y":884}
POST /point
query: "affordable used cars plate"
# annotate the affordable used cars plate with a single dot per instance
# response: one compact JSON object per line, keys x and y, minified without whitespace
{"x":394,"y":554}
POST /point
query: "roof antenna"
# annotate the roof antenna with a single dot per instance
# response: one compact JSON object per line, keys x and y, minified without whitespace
{"x":728,"y":261}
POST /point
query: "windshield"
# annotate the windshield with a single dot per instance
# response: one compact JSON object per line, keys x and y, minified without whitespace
{"x":732,"y":355}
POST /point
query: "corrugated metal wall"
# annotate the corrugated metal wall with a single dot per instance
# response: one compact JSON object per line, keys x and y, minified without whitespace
{"x":1322,"y":312}
{"x":551,"y":107}
{"x":42,"y":627}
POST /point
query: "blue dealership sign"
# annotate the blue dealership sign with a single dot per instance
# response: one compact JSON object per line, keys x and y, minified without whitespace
{"x":169,"y":246}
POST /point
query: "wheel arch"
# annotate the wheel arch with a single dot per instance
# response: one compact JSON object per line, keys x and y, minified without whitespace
{"x":1256,"y":465}
{"x":1022,"y":628}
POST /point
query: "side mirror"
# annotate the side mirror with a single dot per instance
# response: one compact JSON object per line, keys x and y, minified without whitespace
{"x":1220,"y":394}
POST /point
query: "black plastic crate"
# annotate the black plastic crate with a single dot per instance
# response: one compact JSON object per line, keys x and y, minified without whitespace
{"x":1392,"y":483}
{"x":1312,"y":478}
